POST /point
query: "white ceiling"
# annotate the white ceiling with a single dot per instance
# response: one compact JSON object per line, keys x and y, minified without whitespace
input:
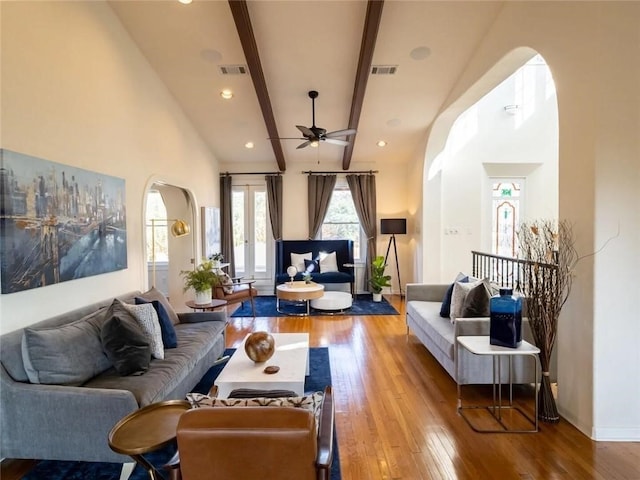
{"x":309,"y":45}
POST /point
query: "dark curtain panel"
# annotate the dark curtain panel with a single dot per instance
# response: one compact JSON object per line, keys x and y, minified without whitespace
{"x":274,"y":197}
{"x":320,"y":189}
{"x":363,"y":191}
{"x":226,"y":223}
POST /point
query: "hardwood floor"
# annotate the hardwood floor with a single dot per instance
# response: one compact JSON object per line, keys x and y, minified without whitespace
{"x":396,"y":413}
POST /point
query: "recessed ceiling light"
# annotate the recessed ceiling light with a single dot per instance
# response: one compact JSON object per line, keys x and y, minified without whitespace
{"x":249,"y":145}
{"x":226,"y":94}
{"x":381,"y":143}
{"x":420,"y":53}
{"x":185,"y":2}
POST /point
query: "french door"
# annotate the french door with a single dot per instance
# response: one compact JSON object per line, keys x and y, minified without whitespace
{"x":252,"y":238}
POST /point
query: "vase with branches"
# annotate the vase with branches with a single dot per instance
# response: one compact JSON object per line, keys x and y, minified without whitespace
{"x":549,"y":250}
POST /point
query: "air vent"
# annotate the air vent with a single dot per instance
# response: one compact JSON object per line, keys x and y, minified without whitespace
{"x":384,"y":69}
{"x":234,"y":69}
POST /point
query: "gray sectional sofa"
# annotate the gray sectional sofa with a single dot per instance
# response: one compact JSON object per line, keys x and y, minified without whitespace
{"x":438,"y":334}
{"x":72,"y":422}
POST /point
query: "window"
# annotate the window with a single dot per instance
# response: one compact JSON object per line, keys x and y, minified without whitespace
{"x":506,"y":207}
{"x":341,"y":221}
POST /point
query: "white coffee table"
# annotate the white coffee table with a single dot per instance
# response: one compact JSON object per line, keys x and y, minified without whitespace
{"x":298,"y":292}
{"x":291,"y":355}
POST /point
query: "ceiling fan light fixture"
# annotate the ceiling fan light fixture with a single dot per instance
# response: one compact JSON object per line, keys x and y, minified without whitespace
{"x":226,"y":94}
{"x":314,"y":143}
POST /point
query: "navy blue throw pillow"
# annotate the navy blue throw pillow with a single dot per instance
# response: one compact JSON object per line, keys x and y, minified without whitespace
{"x":445,"y":308}
{"x":169,"y":337}
{"x":311,"y":266}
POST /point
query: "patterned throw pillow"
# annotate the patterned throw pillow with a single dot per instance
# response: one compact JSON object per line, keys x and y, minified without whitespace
{"x":312,"y":402}
{"x":147,"y":318}
{"x":226,"y":282}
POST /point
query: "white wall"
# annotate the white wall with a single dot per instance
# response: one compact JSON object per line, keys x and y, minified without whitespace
{"x":76,"y":90}
{"x":593,"y":50}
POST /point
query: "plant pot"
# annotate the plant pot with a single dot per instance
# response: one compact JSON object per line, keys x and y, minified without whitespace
{"x":204,"y":297}
{"x":377,"y":297}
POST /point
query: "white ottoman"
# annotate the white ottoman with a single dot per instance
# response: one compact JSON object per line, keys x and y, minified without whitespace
{"x":332,"y":301}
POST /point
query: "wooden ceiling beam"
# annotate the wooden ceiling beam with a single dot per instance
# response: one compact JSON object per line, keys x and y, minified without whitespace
{"x":369,"y":36}
{"x":240,"y":14}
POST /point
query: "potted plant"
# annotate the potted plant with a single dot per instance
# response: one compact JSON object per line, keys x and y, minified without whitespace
{"x":201,"y":279}
{"x":378,"y":279}
{"x":217,"y":259}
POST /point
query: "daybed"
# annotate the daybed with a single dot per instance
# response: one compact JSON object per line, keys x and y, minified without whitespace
{"x":312,"y":251}
{"x":437,"y":334}
{"x":72,"y":421}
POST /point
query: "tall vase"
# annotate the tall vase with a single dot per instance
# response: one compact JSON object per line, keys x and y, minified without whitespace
{"x":204,"y":297}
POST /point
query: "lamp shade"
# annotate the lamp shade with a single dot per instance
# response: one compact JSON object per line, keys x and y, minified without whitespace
{"x":393,"y":226}
{"x":180,"y":228}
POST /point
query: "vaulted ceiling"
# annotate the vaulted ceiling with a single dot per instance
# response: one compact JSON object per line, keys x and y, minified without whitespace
{"x":288,"y":48}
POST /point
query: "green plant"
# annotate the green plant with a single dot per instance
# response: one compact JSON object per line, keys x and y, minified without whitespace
{"x":378,"y":279}
{"x":216,"y":257}
{"x":201,"y":278}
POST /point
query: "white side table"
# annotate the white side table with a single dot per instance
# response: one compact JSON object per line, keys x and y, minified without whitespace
{"x":479,"y":345}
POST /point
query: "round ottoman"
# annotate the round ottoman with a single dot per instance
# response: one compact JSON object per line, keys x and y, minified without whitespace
{"x":332,"y":301}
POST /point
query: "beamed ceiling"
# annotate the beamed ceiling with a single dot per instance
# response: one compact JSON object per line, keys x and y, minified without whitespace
{"x":291,"y":47}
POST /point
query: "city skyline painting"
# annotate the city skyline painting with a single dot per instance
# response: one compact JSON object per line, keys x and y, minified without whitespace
{"x":57,"y":222}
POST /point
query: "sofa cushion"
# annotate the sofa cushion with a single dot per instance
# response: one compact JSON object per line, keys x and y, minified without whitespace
{"x":311,"y":403}
{"x":459,"y":294}
{"x":147,"y":318}
{"x":168,"y":332}
{"x":48,"y":358}
{"x":155,"y":294}
{"x":311,"y":266}
{"x":439,"y":330}
{"x":126,"y":345}
{"x":328,"y":262}
{"x":297,"y":260}
{"x":445,"y":309}
{"x":476,"y":303}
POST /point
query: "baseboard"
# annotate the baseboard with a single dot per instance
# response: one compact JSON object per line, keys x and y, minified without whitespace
{"x":616,"y":434}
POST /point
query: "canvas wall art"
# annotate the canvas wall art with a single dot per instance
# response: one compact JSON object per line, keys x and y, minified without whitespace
{"x":57,"y":223}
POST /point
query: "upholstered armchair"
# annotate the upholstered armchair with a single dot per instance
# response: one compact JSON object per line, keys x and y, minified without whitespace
{"x":236,"y":292}
{"x":239,"y":442}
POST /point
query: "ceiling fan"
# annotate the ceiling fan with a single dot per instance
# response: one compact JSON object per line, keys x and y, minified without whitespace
{"x":313,"y":135}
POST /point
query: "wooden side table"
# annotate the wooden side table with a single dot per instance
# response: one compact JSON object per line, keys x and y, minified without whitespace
{"x":212,"y":305}
{"x":300,"y":292}
{"x":147,"y":430}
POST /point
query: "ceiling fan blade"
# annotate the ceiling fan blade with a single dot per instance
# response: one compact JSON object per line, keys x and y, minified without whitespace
{"x":303,"y":144}
{"x":286,"y":138}
{"x":335,"y":141}
{"x":305,"y":131}
{"x":341,"y":133}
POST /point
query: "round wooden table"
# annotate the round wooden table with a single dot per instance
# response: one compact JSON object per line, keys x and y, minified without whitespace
{"x":212,"y":305}
{"x":146,"y":430}
{"x":298,"y":292}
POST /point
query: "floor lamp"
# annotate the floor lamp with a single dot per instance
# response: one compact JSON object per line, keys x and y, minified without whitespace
{"x":179,"y":228}
{"x":394,"y":226}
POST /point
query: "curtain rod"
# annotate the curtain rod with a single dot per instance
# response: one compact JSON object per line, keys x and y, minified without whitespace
{"x":370,"y":172}
{"x":227,"y":174}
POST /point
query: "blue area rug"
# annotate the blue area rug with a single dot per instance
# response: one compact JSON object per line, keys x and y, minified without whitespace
{"x":319,"y":377}
{"x":266,"y":307}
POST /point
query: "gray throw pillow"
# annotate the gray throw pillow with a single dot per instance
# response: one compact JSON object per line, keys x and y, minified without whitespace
{"x":69,"y":354}
{"x":476,"y":303}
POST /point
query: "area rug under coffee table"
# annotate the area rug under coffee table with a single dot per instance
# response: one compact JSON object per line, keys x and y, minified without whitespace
{"x":319,"y":377}
{"x":362,"y":305}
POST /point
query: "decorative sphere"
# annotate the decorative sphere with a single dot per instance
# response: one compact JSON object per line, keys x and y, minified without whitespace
{"x":259,"y":346}
{"x":291,"y":271}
